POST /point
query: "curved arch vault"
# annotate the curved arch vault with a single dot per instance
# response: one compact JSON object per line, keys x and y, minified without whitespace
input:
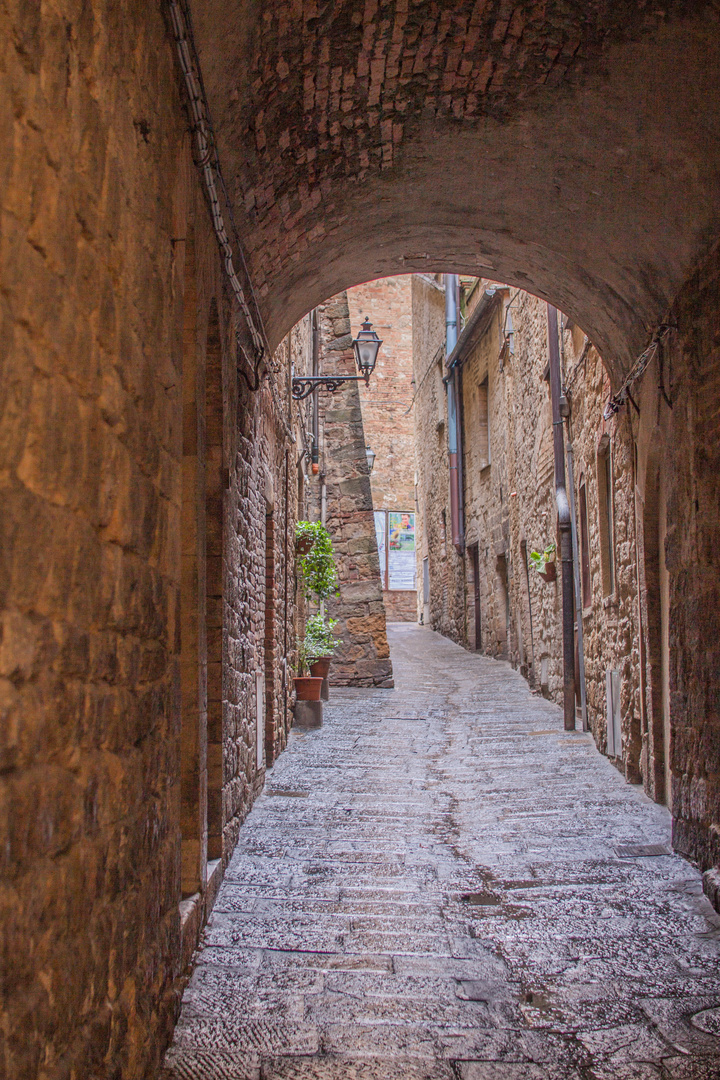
{"x":572,"y":149}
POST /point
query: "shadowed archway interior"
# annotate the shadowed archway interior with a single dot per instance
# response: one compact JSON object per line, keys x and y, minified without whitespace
{"x":568,"y":149}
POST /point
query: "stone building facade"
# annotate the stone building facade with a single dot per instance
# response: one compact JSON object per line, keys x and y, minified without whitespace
{"x":388,"y":418}
{"x":497,"y":602}
{"x":643,"y":709}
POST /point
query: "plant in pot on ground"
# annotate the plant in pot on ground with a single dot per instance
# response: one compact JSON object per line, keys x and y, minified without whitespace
{"x":544,"y":562}
{"x":318,"y":580}
{"x":307,"y":686}
{"x":320,"y":643}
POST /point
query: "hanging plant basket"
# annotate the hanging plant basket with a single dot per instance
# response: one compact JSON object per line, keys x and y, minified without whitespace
{"x":303,"y":545}
{"x":550,"y":571}
{"x":543,"y":562}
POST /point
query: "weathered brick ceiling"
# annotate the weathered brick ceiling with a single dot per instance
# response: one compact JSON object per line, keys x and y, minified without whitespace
{"x":569,"y":146}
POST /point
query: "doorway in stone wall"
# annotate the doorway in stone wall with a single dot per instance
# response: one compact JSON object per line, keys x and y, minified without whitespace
{"x":474,"y":553}
{"x":657,"y":749}
{"x":503,"y":607}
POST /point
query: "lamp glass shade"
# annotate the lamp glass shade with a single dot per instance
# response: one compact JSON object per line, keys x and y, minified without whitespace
{"x":366,"y":346}
{"x":370,"y":455}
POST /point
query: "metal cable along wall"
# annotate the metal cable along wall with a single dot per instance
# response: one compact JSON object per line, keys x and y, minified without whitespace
{"x":616,"y":402}
{"x":208,"y":163}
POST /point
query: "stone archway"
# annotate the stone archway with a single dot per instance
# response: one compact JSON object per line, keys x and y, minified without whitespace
{"x":568,"y":151}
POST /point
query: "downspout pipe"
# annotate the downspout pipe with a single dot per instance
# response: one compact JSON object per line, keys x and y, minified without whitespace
{"x":451,"y":336}
{"x":564,"y":524}
{"x":315,"y":449}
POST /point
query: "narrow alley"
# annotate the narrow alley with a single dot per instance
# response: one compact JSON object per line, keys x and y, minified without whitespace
{"x":440,"y":882}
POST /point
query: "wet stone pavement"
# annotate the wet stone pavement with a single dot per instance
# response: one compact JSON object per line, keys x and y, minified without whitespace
{"x":429,"y":888}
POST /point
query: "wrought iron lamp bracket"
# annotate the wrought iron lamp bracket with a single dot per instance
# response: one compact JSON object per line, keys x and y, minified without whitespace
{"x":303,"y":386}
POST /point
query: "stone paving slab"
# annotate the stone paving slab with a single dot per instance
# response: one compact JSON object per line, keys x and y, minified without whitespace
{"x":429,"y":889}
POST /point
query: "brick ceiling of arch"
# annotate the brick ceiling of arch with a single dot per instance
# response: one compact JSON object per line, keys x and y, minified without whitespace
{"x":569,"y":147}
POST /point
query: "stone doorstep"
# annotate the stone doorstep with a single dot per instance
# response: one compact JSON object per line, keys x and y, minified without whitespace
{"x":711,"y":886}
{"x":195,"y":911}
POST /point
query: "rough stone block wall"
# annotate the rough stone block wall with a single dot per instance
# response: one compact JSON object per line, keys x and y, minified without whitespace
{"x":510,"y":511}
{"x":655,"y":624}
{"x":691,"y":377}
{"x":364,"y":657}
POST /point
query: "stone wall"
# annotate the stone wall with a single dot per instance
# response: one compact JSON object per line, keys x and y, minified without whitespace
{"x":679,"y":470}
{"x":364,"y":657}
{"x":445,"y":611}
{"x":387,"y":408}
{"x":649,"y":608}
{"x":131,"y":546}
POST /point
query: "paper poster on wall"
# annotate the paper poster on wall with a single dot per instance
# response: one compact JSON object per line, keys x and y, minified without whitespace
{"x":401,"y":550}
{"x":380,"y":534}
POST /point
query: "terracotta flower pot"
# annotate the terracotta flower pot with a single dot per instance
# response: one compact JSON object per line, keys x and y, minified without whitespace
{"x":550,"y":572}
{"x":307,"y":688}
{"x":320,"y":667}
{"x":303,"y":545}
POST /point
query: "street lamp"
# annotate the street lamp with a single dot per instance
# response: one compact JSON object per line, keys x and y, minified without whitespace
{"x":366,"y":346}
{"x":370,"y":455}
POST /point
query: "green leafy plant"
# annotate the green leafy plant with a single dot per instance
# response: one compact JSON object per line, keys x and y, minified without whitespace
{"x":304,"y":659}
{"x":316,"y":566}
{"x":320,"y":637}
{"x":539,"y":559}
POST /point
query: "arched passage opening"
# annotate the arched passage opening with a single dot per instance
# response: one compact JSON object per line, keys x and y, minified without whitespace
{"x":574,"y":155}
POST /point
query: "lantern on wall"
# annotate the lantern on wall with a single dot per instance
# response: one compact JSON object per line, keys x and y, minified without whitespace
{"x":365,"y":346}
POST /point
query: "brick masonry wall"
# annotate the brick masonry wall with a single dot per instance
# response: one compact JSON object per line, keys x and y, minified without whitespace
{"x":387,"y":408}
{"x":129,"y":498}
{"x":364,"y":657}
{"x":341,"y":119}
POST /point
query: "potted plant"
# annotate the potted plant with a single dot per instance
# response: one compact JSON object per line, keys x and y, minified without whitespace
{"x":304,"y":537}
{"x":544,"y":562}
{"x":307,"y":687}
{"x":316,"y":560}
{"x":320,"y":643}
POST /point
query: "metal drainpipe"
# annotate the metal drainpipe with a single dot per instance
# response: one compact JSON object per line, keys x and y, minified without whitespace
{"x":451,"y":336}
{"x":564,"y":524}
{"x":315,"y":449}
{"x":285,"y":590}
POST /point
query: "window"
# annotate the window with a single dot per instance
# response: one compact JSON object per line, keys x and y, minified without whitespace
{"x":585,"y":548}
{"x":484,"y":423}
{"x":605,"y":512}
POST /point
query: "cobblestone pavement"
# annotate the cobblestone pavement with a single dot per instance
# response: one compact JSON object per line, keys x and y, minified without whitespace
{"x":429,"y":888}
